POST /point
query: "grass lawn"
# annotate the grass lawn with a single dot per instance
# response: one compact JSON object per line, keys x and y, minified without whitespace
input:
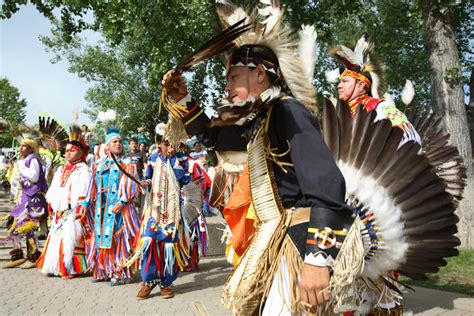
{"x":456,"y":276}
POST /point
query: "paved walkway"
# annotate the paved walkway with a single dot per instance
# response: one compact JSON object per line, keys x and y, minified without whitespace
{"x":28,"y":292}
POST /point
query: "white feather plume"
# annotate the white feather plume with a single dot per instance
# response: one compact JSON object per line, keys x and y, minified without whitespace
{"x":238,"y":13}
{"x":307,"y":50}
{"x":388,"y":99}
{"x":375,"y":85}
{"x":108,"y":115}
{"x":160,"y":129}
{"x":271,"y":13}
{"x":388,"y":216}
{"x":348,"y":54}
{"x":332,"y":76}
{"x":360,"y":49}
{"x":408,"y":92}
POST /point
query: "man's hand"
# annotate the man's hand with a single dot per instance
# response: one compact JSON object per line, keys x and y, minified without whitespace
{"x":175,"y":85}
{"x":117,"y":208}
{"x":313,"y":280}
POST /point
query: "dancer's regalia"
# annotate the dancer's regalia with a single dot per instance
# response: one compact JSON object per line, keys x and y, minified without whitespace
{"x":198,"y":231}
{"x":114,"y":181}
{"x":24,"y":218}
{"x":64,"y":251}
{"x":171,"y":210}
{"x":404,"y":218}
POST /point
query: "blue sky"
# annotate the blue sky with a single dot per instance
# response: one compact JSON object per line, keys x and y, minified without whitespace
{"x":24,"y":61}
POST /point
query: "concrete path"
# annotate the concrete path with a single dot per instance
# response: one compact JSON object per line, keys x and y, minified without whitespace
{"x":28,"y":292}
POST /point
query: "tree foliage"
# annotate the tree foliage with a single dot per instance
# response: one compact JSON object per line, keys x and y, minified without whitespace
{"x":144,"y":39}
{"x":12,"y":109}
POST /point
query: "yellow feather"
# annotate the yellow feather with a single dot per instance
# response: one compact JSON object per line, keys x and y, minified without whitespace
{"x":26,"y":227}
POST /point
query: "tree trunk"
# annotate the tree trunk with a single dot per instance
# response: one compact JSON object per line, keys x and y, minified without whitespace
{"x":471,"y":89}
{"x":448,"y":97}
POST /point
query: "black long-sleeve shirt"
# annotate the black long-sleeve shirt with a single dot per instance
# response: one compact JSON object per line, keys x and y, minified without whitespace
{"x":313,"y":180}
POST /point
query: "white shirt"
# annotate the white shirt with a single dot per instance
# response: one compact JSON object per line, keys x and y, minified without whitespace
{"x":65,"y":197}
{"x":32,"y":172}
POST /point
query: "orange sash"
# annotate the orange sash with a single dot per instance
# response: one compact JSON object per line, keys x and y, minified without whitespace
{"x":236,"y":214}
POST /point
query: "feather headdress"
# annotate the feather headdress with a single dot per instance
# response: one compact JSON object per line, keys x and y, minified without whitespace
{"x":296,"y":54}
{"x":112,"y":132}
{"x":263,"y":28}
{"x":361,"y":64}
{"x":53,"y":136}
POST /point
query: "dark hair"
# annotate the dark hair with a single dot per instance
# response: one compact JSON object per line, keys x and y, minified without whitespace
{"x":158,"y":138}
{"x":133,"y":139}
{"x":84,"y":149}
{"x":260,"y":54}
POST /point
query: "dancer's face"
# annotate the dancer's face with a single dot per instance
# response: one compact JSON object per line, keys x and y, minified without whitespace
{"x":165,"y":148}
{"x":25,"y":150}
{"x":350,"y":88}
{"x":116,"y":146}
{"x":73,"y":153}
{"x":244,"y":82}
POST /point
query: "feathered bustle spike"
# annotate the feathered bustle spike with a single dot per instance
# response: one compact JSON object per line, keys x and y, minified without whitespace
{"x":413,"y":275}
{"x":437,"y":224}
{"x":416,"y":168}
{"x":445,"y":199}
{"x":270,"y":15}
{"x":345,"y":117}
{"x":360,"y":137}
{"x":443,"y":157}
{"x":427,"y":232}
{"x":381,"y":133}
{"x":416,"y":186}
{"x":438,"y":243}
{"x":400,"y":163}
{"x":428,"y":192}
{"x":391,"y":145}
{"x":331,"y":129}
{"x":433,"y":253}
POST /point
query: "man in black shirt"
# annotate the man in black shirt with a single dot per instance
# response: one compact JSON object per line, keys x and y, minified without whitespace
{"x":138,"y":157}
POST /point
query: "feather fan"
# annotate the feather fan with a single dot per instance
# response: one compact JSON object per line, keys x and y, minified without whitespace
{"x":399,"y":192}
{"x":444,"y":158}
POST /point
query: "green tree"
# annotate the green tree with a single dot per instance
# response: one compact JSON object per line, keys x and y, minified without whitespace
{"x":12,"y":109}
